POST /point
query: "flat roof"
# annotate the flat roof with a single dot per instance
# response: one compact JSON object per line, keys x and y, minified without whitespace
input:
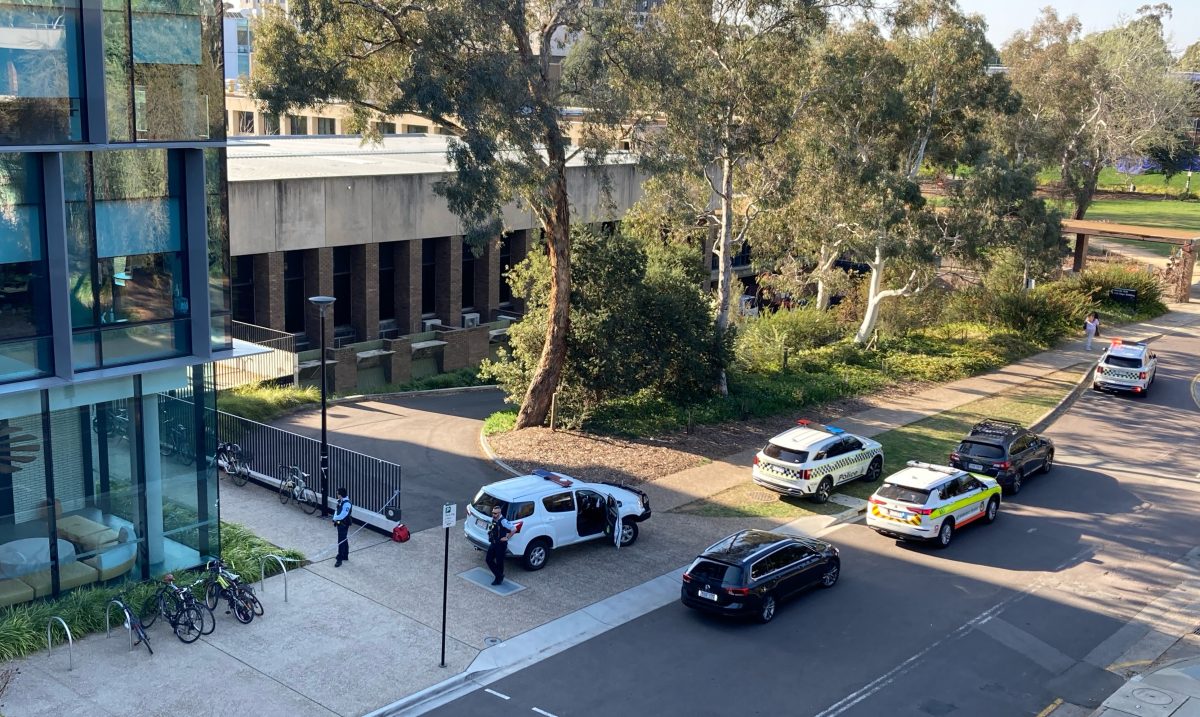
{"x":259,"y":158}
{"x":1127,"y":231}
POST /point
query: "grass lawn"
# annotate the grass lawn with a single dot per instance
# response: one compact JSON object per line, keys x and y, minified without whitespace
{"x":1171,"y":214}
{"x":1163,"y":250}
{"x":930,"y":439}
{"x":1111,"y":180}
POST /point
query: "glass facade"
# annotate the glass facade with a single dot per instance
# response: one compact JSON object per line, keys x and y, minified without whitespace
{"x":41,"y":83}
{"x":25,"y":331}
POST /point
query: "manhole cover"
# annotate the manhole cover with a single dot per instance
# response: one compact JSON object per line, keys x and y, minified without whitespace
{"x":1151,"y":696}
{"x":492,"y":641}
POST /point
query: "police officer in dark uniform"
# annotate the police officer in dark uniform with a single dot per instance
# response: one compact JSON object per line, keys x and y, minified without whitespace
{"x":341,"y":519}
{"x":498,"y":533}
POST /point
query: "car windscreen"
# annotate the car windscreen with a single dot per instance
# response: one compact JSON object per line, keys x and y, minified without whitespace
{"x":785,"y":455}
{"x":484,"y":501}
{"x":903,"y":494}
{"x":980,"y":450}
{"x":715,"y":573}
{"x":1123,"y":361}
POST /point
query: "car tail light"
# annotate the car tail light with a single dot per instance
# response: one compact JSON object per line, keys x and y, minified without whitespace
{"x":876,"y":501}
{"x":953,"y":456}
{"x":687,"y":577}
{"x":921,"y":511}
{"x":517,"y":527}
{"x":1142,"y":375}
{"x":1137,"y":389}
{"x":1004,"y":465}
{"x":756,"y":460}
{"x":1099,"y":369}
{"x":738,"y":592}
{"x":805,"y":474}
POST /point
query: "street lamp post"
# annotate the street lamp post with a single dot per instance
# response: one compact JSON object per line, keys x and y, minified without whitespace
{"x":322,"y":303}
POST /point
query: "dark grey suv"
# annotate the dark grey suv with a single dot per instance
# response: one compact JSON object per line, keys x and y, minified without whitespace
{"x":1005,"y":450}
{"x":752,"y":571}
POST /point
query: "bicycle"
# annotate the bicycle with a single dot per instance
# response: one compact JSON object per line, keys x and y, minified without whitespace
{"x":293,"y":484}
{"x":177,"y":438}
{"x":230,"y":459}
{"x":114,"y":422}
{"x":133,"y":623}
{"x":184,"y":614}
{"x":221,"y":583}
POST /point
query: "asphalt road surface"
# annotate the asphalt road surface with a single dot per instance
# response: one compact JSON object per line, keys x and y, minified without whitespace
{"x":1010,"y":618}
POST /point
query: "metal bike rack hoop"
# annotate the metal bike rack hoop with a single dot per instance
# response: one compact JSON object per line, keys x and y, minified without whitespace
{"x":70,"y":640}
{"x":108,"y":624}
{"x":262,"y":572}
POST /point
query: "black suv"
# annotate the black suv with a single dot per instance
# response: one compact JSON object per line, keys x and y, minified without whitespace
{"x":1004,"y":450}
{"x":752,"y":571}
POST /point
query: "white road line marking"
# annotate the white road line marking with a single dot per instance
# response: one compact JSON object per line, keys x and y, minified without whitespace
{"x":1031,"y":530}
{"x":493,"y":692}
{"x":544,"y":712}
{"x":887,"y":678}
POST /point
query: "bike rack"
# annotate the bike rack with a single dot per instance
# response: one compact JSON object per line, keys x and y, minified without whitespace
{"x":262,"y":572}
{"x":108,"y":624}
{"x":70,"y":640}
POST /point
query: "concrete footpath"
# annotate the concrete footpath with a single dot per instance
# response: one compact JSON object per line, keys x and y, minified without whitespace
{"x":366,"y":638}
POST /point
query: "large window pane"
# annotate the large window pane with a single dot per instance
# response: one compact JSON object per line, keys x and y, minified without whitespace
{"x":40,"y":95}
{"x":25,"y":328}
{"x":219,"y":290}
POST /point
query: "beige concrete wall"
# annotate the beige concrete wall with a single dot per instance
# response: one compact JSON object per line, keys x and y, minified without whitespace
{"x":312,"y":213}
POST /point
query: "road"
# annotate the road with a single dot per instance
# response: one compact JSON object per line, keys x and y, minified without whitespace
{"x":1011,"y":618}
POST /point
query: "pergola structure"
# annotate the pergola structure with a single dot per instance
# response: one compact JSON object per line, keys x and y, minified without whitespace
{"x":1187,"y":240}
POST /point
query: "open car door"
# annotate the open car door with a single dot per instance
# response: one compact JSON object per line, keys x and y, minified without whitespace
{"x":613,"y":519}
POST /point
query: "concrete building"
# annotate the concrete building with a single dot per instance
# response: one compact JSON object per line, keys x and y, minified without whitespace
{"x":362,"y":223}
{"x":114,"y":291}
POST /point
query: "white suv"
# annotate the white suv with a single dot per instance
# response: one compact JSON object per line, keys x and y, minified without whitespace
{"x":811,"y":459}
{"x":1126,"y":367}
{"x":549,"y":510}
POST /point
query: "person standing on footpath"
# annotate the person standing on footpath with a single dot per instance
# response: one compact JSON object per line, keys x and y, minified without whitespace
{"x":1091,"y":327}
{"x":341,"y":520}
{"x":498,"y":533}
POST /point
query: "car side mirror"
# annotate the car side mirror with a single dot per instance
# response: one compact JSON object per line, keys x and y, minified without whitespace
{"x":820,"y":456}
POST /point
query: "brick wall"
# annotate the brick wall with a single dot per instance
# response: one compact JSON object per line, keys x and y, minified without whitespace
{"x":318,"y":281}
{"x":408,"y":286}
{"x":447,"y":302}
{"x":364,"y":314}
{"x":268,"y":290}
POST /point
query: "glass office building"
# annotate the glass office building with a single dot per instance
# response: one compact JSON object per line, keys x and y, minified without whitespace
{"x":114,"y":290}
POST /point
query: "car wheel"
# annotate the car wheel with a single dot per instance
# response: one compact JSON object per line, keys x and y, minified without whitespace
{"x":536,"y":554}
{"x":874,"y":470}
{"x":823,"y":490}
{"x":1015,"y":486}
{"x":832,"y":573}
{"x":1049,"y":463}
{"x":629,"y":533}
{"x":766,"y":612}
{"x":1095,"y":387}
{"x":993,"y":509}
{"x":945,"y":534}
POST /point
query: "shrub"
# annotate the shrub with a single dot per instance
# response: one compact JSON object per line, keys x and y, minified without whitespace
{"x":1043,"y":314}
{"x":264,"y":401}
{"x":463,"y":377}
{"x":760,"y":342}
{"x":1097,"y":283}
{"x":500,"y":422}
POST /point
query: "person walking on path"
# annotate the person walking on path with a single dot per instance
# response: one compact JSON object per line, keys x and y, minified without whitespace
{"x":498,"y":533}
{"x":1091,"y":327}
{"x":341,"y":520}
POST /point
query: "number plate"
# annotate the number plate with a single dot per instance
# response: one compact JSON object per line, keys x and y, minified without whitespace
{"x":898,"y":513}
{"x":974,"y":467}
{"x":481,"y":522}
{"x":707,"y":595}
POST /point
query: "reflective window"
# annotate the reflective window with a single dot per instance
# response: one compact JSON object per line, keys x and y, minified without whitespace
{"x":428,"y":274}
{"x":387,"y":281}
{"x":293,"y":291}
{"x":326,"y":125}
{"x":25,"y":327}
{"x":163,"y":71}
{"x":40,"y":72}
{"x":219,"y":292}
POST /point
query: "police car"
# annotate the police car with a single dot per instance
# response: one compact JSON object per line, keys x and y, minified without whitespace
{"x":930,"y":502}
{"x":548,"y":510}
{"x":811,"y":459}
{"x":1126,"y":366}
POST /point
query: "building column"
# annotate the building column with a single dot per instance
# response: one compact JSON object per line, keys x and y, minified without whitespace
{"x":487,"y":280}
{"x":447,"y":298}
{"x":518,"y":249}
{"x":1081,"y":245}
{"x":408,"y":286}
{"x":364,"y":289}
{"x":318,"y":281}
{"x":153,"y":488}
{"x":268,"y":290}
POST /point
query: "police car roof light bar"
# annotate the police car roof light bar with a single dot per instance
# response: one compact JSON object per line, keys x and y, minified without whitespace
{"x":835,"y":430}
{"x":933,"y":467}
{"x":558,"y":478}
{"x":803,"y":422}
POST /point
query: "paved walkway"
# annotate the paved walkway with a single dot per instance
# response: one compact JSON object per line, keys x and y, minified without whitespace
{"x":366,"y":637}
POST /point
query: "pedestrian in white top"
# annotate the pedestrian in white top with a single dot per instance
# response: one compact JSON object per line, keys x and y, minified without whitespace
{"x":1091,"y":327}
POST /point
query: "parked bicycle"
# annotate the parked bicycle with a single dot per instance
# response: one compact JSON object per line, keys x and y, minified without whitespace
{"x":111,"y":422}
{"x":133,"y":623}
{"x":222,"y":584}
{"x":233,"y":462}
{"x":293,"y":485}
{"x":173,"y":441}
{"x":185,"y":616}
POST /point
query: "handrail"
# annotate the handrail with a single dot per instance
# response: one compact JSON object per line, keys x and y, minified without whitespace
{"x":262,"y":571}
{"x":108,"y":625}
{"x":70,"y":640}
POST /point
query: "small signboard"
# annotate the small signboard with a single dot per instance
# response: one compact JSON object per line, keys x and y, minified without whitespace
{"x":1128,"y":296}
{"x":449,"y":515}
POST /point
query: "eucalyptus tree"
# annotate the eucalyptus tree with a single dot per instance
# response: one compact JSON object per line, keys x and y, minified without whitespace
{"x":484,"y":69}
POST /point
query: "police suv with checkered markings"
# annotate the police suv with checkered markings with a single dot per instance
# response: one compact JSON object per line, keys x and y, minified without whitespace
{"x":930,"y":502}
{"x":811,"y":459}
{"x":1126,"y":367}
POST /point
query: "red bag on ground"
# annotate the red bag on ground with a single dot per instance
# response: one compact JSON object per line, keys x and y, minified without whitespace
{"x":400,"y":533}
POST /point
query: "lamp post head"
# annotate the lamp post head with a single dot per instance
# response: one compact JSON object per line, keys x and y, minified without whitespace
{"x":322,"y":302}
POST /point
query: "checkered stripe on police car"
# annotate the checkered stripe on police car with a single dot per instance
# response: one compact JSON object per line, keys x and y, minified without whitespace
{"x":834,"y":466}
{"x":847,"y":461}
{"x":1126,"y":375}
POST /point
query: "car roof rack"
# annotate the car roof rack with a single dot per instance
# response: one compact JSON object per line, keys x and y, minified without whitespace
{"x":997,"y":426}
{"x":834,"y":430}
{"x":553,"y":477}
{"x":934,"y":467}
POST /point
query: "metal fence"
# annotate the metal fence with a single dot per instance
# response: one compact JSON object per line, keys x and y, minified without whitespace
{"x":279,"y":362}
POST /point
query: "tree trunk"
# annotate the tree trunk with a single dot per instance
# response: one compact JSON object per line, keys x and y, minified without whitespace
{"x":874,"y":300}
{"x":824,"y":265}
{"x":557,"y":223}
{"x":725,"y":258}
{"x":928,"y":129}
